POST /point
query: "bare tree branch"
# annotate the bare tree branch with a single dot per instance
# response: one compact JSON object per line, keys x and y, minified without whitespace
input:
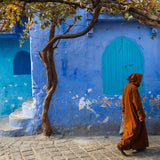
{"x":145,"y":20}
{"x":146,"y":17}
{"x":75,"y":3}
{"x":68,"y":30}
{"x":39,"y":53}
{"x":68,"y":36}
{"x":144,"y":14}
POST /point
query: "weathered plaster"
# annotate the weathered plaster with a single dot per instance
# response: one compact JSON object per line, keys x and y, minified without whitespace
{"x":78,"y":105}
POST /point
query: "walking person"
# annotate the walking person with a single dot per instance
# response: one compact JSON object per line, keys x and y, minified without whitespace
{"x":135,"y":134}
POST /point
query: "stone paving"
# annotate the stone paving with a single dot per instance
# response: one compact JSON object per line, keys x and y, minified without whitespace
{"x":39,"y":147}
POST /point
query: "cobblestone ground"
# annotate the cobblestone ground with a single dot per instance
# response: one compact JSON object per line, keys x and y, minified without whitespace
{"x":39,"y":147}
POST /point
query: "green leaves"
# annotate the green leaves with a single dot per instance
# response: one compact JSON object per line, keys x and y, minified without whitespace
{"x":76,"y":18}
{"x":44,"y":25}
{"x":47,"y":13}
{"x":127,"y":16}
{"x":55,"y":13}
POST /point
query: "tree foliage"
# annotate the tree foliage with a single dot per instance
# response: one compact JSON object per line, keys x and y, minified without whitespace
{"x":49,"y":13}
{"x":56,"y":11}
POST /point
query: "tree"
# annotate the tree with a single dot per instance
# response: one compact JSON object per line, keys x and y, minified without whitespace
{"x":52,"y":13}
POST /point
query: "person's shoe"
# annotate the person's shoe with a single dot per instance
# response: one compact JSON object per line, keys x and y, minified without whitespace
{"x":121,"y":150}
{"x":141,"y":150}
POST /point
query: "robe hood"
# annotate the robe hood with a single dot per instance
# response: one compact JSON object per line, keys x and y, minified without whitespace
{"x":135,"y":78}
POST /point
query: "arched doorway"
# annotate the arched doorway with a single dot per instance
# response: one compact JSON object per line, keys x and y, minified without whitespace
{"x":121,"y":58}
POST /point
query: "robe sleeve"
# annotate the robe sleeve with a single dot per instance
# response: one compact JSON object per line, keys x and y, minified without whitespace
{"x":138,"y":104}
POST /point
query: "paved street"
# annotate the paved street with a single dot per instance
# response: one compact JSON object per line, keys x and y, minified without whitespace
{"x":40,"y":147}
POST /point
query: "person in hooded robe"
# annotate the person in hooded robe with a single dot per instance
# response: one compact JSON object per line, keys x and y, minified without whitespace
{"x":135,"y":134}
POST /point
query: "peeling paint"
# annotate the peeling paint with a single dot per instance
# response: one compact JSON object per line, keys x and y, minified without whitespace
{"x":103,"y":105}
{"x":120,"y":97}
{"x":106,"y":119}
{"x":144,"y":98}
{"x":89,"y":90}
{"x":105,"y":102}
{"x":151,"y":96}
{"x":44,"y":87}
{"x":152,"y":103}
{"x":118,"y":102}
{"x":20,"y":98}
{"x":94,"y":101}
{"x":89,"y":127}
{"x":87,"y":104}
{"x":81,"y":103}
{"x":74,"y":97}
{"x":12,"y":105}
{"x":158,"y":96}
{"x":97,"y":115}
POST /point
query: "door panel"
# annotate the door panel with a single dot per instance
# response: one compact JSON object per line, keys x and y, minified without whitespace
{"x":121,"y":58}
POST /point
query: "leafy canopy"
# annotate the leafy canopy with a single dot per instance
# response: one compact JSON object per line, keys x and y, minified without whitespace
{"x":56,"y":11}
{"x":48,"y":13}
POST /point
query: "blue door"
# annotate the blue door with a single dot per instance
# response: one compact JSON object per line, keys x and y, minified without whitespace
{"x":121,"y":58}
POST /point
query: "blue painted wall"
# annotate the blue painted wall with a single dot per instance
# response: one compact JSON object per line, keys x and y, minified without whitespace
{"x":14,"y":88}
{"x":78,"y":105}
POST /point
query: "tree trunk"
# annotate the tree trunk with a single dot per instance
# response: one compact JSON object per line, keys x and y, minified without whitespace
{"x":48,"y":60}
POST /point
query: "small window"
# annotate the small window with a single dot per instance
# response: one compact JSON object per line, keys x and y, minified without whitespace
{"x":22,"y":64}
